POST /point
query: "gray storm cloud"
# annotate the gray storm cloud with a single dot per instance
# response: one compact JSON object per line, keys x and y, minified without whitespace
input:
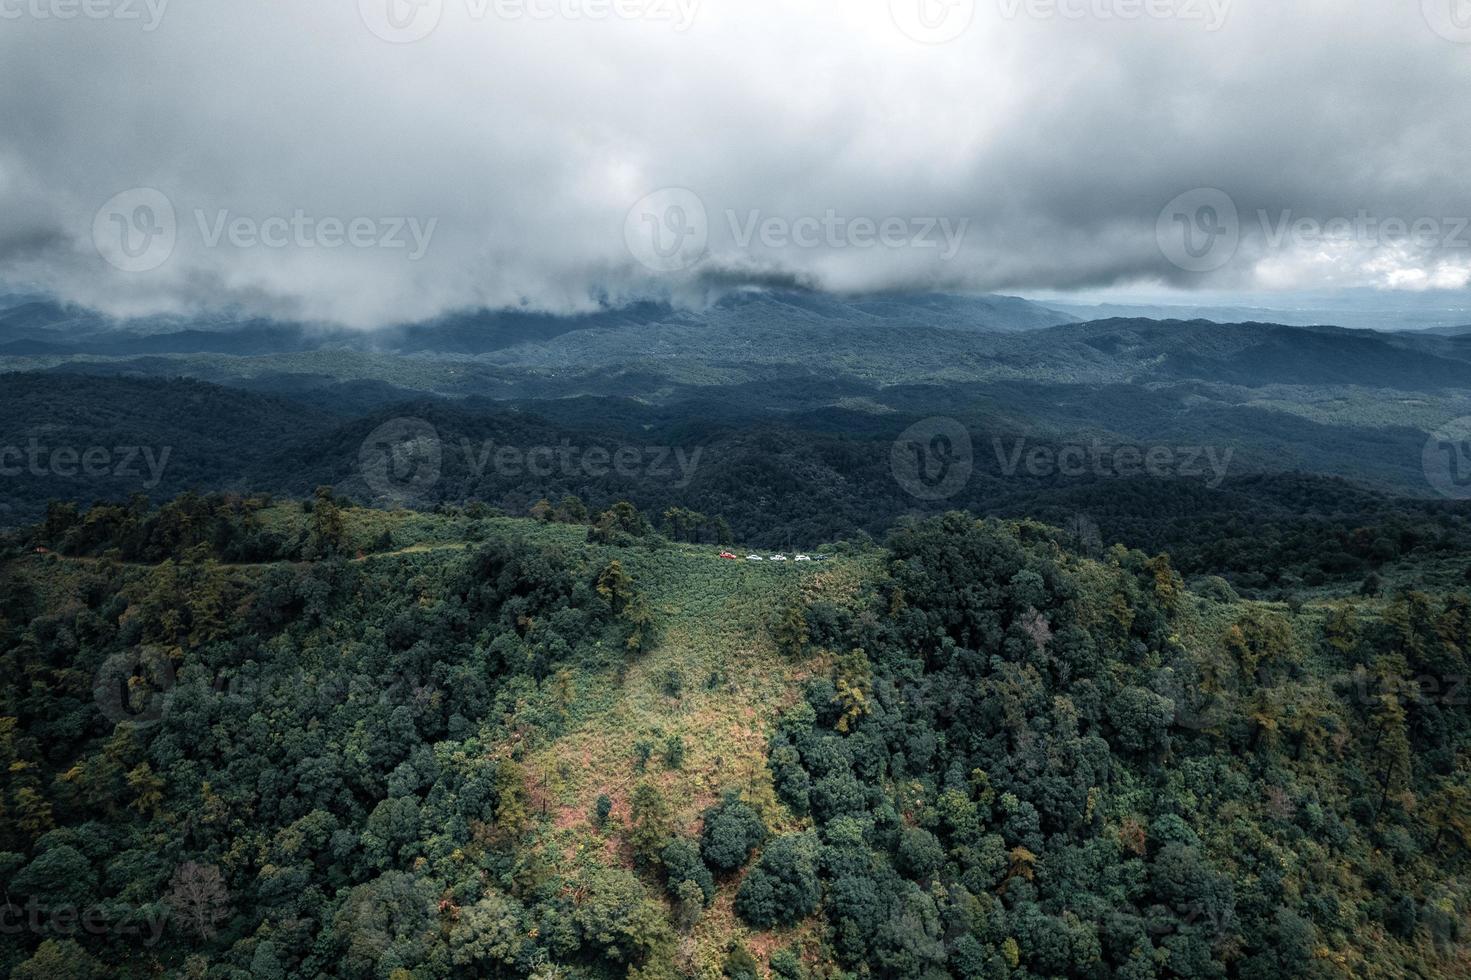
{"x":385,"y":160}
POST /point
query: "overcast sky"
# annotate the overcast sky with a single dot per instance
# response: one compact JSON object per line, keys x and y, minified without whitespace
{"x":385,"y":160}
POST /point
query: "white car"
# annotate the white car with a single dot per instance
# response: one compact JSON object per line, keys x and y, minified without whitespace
{"x":754,"y":558}
{"x":803,"y":558}
{"x":778,"y":557}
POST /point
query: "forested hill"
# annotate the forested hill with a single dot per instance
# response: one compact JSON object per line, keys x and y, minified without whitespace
{"x":248,"y":740}
{"x":40,"y":327}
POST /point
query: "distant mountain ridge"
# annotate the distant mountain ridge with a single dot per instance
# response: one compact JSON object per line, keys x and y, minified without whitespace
{"x":1463,"y":330}
{"x":41,"y":328}
{"x":1357,"y":309}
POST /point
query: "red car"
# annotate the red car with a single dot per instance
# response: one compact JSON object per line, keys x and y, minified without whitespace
{"x":728,"y":556}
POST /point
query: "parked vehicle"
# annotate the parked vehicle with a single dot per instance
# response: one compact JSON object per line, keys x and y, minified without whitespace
{"x":803,"y":558}
{"x":778,"y":557}
{"x":728,"y":556}
{"x":754,"y":558}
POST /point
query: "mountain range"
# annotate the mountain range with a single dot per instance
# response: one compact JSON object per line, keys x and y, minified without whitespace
{"x":794,"y":401}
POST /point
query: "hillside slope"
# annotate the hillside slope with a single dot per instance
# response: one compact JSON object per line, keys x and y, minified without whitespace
{"x":451,"y":744}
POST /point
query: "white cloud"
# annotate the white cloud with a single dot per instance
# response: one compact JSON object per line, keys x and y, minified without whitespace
{"x":1058,"y":139}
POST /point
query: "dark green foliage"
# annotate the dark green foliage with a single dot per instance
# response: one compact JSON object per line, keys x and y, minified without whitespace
{"x":741,"y":965}
{"x":783,"y":887}
{"x":620,"y":523}
{"x":683,"y":524}
{"x":59,"y":875}
{"x":732,"y":831}
{"x":294,"y":743}
{"x":682,"y":862}
{"x":618,"y":919}
{"x":1013,"y":763}
{"x":1061,"y":788}
{"x":786,"y":964}
{"x":919,"y":853}
{"x":674,"y":752}
{"x":825,"y":474}
{"x":793,"y":785}
{"x":55,"y":959}
{"x":1141,"y":720}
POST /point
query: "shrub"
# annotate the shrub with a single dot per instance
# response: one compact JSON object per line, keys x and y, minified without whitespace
{"x":732,"y":831}
{"x":741,"y":965}
{"x":601,"y":810}
{"x":682,"y":863}
{"x":787,"y":965}
{"x":674,"y":752}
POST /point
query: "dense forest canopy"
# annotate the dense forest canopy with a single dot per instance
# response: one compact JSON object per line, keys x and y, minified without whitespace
{"x":255,"y":739}
{"x":783,"y":467}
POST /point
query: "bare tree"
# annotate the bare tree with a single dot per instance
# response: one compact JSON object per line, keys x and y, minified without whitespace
{"x":1083,"y":534}
{"x":198,"y":897}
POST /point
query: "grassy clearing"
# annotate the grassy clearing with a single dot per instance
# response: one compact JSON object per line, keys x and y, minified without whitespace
{"x":715,"y":681}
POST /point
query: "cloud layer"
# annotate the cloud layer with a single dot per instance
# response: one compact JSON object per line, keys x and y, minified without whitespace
{"x":385,"y":160}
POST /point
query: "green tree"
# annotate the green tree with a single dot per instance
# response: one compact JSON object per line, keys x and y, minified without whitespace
{"x":618,"y":920}
{"x":919,"y":853}
{"x":783,"y":887}
{"x":649,"y":829}
{"x":682,"y":862}
{"x":59,"y":959}
{"x":732,"y":830}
